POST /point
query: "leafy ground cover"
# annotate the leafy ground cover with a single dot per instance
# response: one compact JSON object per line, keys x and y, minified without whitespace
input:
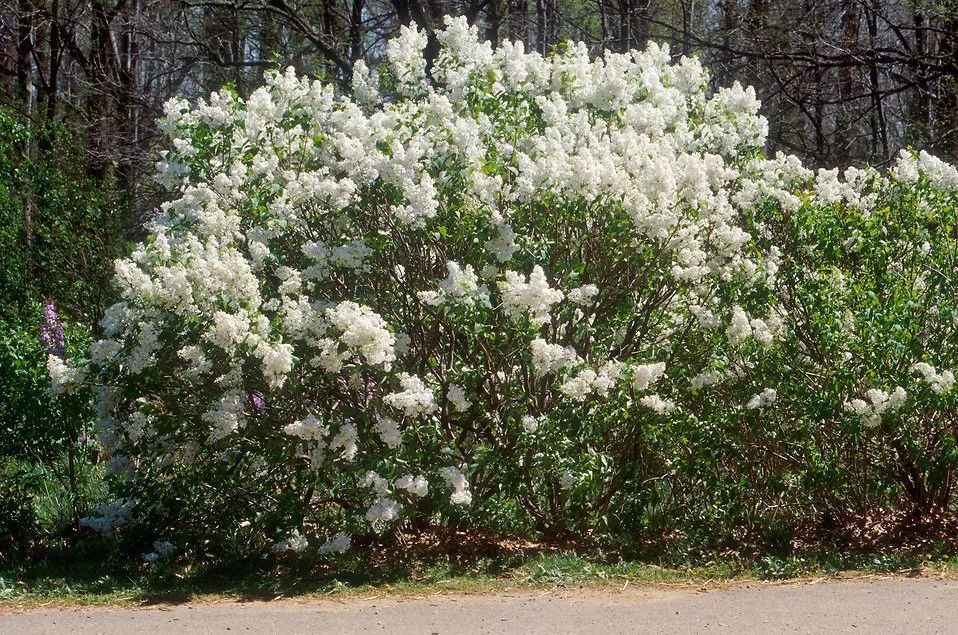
{"x":472,"y":565}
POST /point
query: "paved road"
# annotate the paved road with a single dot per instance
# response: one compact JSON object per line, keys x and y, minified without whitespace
{"x":863,"y":606}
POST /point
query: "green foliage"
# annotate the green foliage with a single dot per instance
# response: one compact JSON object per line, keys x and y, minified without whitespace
{"x":59,"y":233}
{"x":18,"y":518}
{"x":60,"y":229}
{"x":33,"y":424}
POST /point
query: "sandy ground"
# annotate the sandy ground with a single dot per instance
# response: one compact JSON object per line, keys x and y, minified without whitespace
{"x":899,"y":605}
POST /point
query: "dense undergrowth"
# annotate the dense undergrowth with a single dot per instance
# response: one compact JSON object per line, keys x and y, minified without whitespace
{"x":101,"y":574}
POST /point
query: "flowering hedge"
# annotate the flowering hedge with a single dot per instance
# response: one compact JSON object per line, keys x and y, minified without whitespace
{"x":557,"y":292}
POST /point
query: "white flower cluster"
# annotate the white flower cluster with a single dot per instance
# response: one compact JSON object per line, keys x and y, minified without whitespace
{"x":531,"y":423}
{"x":645,"y":375}
{"x":383,"y":511}
{"x":162,"y":549}
{"x":552,"y":358}
{"x":364,"y":331}
{"x":658,"y":404}
{"x":461,"y":286}
{"x":389,"y":432}
{"x":587,"y":381}
{"x":767,"y":397}
{"x":910,"y":167}
{"x":457,"y":397}
{"x":414,"y":485}
{"x":415,"y":399}
{"x":876,"y":403}
{"x":295,"y":543}
{"x":584,"y":295}
{"x":940,"y":382}
{"x":742,"y":328}
{"x":533,"y":298}
{"x":309,"y":429}
{"x":63,"y":376}
{"x":340,"y":543}
{"x":456,"y":480}
{"x":109,"y":516}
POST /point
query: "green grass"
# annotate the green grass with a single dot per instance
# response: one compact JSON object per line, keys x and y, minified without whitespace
{"x":58,"y":581}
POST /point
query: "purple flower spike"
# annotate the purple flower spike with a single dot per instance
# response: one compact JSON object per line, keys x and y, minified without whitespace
{"x":51,"y":330}
{"x":257,"y":401}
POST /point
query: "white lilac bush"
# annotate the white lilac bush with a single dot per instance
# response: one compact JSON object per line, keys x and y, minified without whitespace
{"x":514,"y":287}
{"x":868,"y":370}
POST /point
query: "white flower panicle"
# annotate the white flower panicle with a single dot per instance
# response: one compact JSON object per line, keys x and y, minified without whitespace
{"x":456,"y":480}
{"x":382,"y":511}
{"x":767,"y":397}
{"x":365,"y":331}
{"x":414,"y":485}
{"x":457,"y":397}
{"x":109,"y":516}
{"x":63,"y":376}
{"x":345,"y":441}
{"x":584,"y":295}
{"x":741,"y":328}
{"x":552,"y":358}
{"x":646,"y":375}
{"x":388,"y":430}
{"x":705,"y":379}
{"x":339,"y":543}
{"x":294,"y":543}
{"x":461,"y":286}
{"x":533,"y":298}
{"x":308,"y":429}
{"x":940,"y":382}
{"x":876,"y":403}
{"x":375,"y":482}
{"x":658,"y":404}
{"x":415,"y":399}
{"x":531,"y":423}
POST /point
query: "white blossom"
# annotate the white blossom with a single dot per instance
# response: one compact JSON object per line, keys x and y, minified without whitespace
{"x":456,"y":480}
{"x":584,"y":295}
{"x":457,"y":397}
{"x":876,"y":403}
{"x":762,"y":399}
{"x":414,"y":485}
{"x":531,"y":423}
{"x":388,"y":431}
{"x":62,"y":375}
{"x":940,"y":382}
{"x":658,"y":404}
{"x":646,"y":375}
{"x":383,"y":511}
{"x":533,"y":298}
{"x":310,"y":429}
{"x":340,"y":543}
{"x":415,"y":399}
{"x":294,"y":543}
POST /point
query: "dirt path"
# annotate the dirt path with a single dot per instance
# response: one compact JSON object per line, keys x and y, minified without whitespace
{"x":861,"y":606}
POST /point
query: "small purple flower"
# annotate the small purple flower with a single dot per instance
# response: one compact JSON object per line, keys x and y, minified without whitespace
{"x":51,"y":330}
{"x":257,"y":401}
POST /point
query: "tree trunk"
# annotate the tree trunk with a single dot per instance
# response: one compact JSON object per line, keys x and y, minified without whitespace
{"x":878,"y":123}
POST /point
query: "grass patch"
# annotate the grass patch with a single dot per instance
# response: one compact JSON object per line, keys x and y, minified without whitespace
{"x":92,"y":581}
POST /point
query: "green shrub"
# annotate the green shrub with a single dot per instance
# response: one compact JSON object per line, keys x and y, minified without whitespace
{"x":77,"y":225}
{"x":18,"y":517}
{"x":34,"y":424}
{"x":561,"y":296}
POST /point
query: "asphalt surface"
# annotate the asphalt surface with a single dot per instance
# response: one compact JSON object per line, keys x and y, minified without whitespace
{"x":901,"y":605}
